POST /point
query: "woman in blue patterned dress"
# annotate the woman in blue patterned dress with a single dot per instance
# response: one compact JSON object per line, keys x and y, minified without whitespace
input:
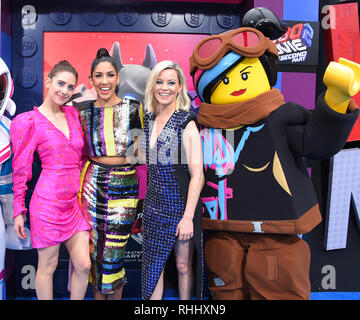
{"x":175,"y":173}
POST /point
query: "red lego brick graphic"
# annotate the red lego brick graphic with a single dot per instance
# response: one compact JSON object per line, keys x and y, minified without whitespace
{"x":342,"y":39}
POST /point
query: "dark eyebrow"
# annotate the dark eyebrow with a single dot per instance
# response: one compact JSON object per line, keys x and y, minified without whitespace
{"x":245,"y":69}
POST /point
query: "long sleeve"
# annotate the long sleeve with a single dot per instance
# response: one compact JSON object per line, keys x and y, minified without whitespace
{"x":23,"y":140}
{"x":320,"y":133}
{"x":328,"y":130}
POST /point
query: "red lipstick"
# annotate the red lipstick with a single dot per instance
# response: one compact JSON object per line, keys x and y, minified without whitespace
{"x":238,"y":93}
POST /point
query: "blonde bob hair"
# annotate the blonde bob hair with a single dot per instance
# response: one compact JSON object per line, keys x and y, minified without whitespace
{"x":182,"y":99}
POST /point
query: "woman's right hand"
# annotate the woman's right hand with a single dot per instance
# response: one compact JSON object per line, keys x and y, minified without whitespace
{"x":19,"y":227}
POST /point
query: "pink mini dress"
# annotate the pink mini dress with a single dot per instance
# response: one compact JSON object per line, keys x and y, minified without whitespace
{"x":55,"y":214}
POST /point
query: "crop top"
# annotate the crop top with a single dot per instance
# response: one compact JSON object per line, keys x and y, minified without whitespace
{"x":111,"y":130}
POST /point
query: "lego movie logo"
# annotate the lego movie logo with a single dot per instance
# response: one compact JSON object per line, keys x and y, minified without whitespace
{"x":294,"y":44}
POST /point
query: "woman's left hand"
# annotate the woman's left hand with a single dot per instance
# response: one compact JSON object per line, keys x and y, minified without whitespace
{"x":185,"y":229}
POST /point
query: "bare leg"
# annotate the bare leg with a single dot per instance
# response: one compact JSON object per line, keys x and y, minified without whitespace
{"x":159,"y":289}
{"x":184,"y":252}
{"x":48,"y":260}
{"x":98,"y":295}
{"x":116,"y":295}
{"x":78,"y":248}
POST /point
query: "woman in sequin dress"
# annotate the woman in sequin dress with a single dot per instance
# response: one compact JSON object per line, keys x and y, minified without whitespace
{"x":175,"y":175}
{"x":109,"y":194}
{"x":53,"y":131}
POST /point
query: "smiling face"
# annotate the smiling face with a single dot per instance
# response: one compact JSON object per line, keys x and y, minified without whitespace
{"x":245,"y":81}
{"x":61,"y":87}
{"x":105,"y":80}
{"x":167,"y":87}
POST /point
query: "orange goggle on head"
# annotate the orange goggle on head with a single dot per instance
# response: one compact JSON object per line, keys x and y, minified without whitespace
{"x":248,"y":42}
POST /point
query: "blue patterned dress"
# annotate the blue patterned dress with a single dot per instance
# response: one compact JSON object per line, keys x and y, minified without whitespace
{"x":164,"y":205}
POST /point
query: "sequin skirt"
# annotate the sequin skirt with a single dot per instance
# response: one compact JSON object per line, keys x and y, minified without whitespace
{"x":109,"y":197}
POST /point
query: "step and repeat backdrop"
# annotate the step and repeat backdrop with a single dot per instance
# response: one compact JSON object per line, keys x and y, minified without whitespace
{"x":45,"y":32}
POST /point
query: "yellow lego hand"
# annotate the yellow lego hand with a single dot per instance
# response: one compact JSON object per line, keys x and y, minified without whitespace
{"x":343,"y":81}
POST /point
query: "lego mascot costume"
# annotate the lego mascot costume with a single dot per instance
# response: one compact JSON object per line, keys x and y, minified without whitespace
{"x":258,"y":196}
{"x":8,"y":238}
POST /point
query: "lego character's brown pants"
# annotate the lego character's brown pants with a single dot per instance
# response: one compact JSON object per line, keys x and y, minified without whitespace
{"x":257,"y":266}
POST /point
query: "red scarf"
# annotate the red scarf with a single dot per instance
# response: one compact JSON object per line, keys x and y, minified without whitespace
{"x":242,"y":113}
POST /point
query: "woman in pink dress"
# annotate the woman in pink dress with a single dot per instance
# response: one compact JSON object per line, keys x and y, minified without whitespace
{"x":53,"y":130}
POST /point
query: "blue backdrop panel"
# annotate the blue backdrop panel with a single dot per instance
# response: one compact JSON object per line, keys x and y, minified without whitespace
{"x":306,"y":10}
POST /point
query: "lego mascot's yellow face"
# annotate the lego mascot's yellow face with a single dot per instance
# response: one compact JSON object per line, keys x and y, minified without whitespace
{"x":246,"y":80}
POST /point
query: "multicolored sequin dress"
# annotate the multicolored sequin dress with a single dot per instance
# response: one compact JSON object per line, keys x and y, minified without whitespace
{"x":109,"y":194}
{"x":164,"y":205}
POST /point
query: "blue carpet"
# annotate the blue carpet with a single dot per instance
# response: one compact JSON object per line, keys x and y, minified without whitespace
{"x":335,"y":296}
